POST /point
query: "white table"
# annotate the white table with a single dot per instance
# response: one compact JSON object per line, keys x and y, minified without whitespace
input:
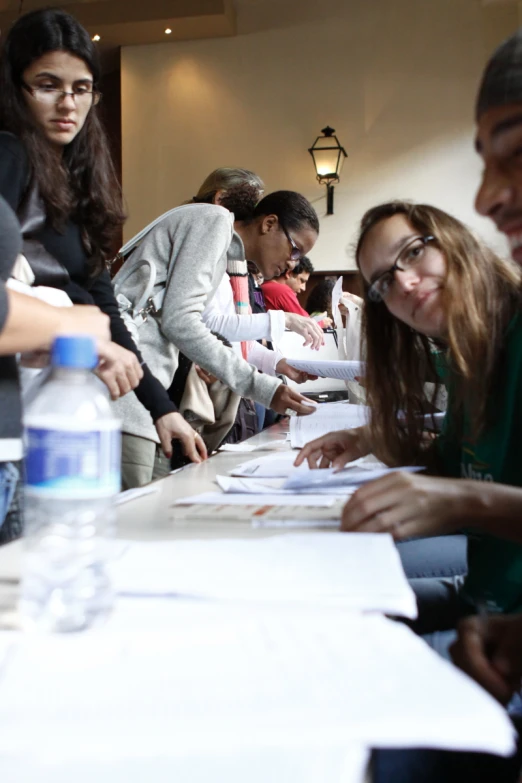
{"x":149,"y":517}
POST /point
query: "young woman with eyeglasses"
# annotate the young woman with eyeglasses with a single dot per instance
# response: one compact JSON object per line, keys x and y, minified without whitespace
{"x":56,"y":173}
{"x":430,"y":285}
{"x":193,"y":247}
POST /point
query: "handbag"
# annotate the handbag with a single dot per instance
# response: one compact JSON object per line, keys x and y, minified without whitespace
{"x":135,"y":313}
{"x":31,"y":214}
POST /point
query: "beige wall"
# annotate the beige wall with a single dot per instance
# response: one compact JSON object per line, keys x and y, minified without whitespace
{"x":395,"y":78}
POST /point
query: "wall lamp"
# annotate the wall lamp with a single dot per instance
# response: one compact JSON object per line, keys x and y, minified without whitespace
{"x":328,"y":157}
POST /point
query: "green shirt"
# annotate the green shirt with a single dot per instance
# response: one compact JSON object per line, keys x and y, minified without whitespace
{"x":494,"y":578}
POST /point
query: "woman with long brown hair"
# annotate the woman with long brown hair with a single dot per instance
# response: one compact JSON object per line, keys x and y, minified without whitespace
{"x":435,"y":296}
{"x":57,"y":175}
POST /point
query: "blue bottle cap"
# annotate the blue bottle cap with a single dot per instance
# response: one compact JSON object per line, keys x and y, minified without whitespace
{"x":78,"y":351}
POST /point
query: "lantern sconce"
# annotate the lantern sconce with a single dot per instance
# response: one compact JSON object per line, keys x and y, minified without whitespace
{"x":328,"y":156}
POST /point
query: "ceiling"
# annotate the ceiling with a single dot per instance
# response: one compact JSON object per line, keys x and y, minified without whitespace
{"x":128,"y":22}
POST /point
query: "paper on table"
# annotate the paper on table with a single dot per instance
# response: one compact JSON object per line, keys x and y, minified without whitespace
{"x":343,"y":371}
{"x":272,"y":445}
{"x":283,"y":467}
{"x":327,"y":418}
{"x":132,"y":494}
{"x":359,"y":571}
{"x":256,"y":696}
{"x":213,"y":498}
{"x":270,"y":466}
{"x":348,"y":477}
{"x":273,"y":488}
{"x":237,"y":447}
{"x":254,"y":486}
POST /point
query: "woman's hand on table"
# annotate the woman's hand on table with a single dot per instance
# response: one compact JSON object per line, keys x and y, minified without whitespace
{"x":334,"y":450}
{"x":173,"y":426}
{"x":407,"y":504}
{"x":119,"y":369}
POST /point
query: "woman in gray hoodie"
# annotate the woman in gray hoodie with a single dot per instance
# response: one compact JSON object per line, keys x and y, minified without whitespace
{"x":191,"y":249}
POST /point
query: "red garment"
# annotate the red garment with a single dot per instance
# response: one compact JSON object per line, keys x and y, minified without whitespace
{"x":279,"y":296}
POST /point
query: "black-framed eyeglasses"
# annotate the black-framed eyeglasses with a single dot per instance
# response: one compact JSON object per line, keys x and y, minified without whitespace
{"x":295,"y":252}
{"x":53,"y":95}
{"x":411,"y":254}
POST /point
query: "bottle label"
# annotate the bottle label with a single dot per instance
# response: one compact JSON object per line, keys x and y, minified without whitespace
{"x":73,"y":464}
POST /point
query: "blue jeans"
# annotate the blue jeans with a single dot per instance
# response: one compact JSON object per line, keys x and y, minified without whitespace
{"x":440,"y":556}
{"x":435,"y":568}
{"x":9,"y":477}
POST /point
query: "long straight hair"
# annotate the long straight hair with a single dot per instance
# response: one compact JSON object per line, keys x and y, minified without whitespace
{"x":480,"y":295}
{"x":82,"y":185}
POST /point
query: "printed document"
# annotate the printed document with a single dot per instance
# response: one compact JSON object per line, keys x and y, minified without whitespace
{"x":341,"y":370}
{"x":328,"y":417}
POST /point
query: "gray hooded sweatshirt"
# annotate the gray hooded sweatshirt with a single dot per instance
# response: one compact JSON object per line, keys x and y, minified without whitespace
{"x":190,"y":250}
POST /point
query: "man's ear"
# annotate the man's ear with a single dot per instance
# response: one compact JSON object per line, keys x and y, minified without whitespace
{"x":269,"y":223}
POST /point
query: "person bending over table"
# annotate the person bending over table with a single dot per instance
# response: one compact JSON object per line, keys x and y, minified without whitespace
{"x":192,"y":248}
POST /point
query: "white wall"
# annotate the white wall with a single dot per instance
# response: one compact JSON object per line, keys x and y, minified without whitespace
{"x":395,"y":78}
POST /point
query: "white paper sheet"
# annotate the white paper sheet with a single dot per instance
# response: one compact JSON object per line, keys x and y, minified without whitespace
{"x":327,"y":478}
{"x":273,"y":445}
{"x":270,"y":466}
{"x":203,"y":693}
{"x":237,"y":447}
{"x":235,"y":485}
{"x":273,"y":488}
{"x":132,"y":494}
{"x":305,"y":479}
{"x":343,"y":371}
{"x":212,"y":498}
{"x":337,"y":292}
{"x":327,"y":418}
{"x":351,"y":570}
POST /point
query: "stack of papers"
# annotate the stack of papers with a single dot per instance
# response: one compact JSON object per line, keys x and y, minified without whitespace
{"x":192,"y":692}
{"x":213,"y":511}
{"x":360,"y":571}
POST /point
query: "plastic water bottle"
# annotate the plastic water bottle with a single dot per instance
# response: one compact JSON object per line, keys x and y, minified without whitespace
{"x":73,"y":455}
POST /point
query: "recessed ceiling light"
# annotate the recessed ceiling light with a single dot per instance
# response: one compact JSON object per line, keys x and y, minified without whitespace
{"x":96,"y":38}
{"x":168,"y":31}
